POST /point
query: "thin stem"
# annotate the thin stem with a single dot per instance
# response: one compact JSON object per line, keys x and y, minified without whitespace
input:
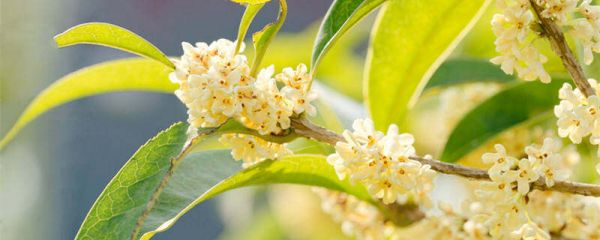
{"x":561,"y":48}
{"x":307,"y":129}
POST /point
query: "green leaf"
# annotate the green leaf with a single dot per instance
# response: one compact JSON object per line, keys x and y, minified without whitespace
{"x":458,"y":71}
{"x":410,"y":40}
{"x":249,"y":14}
{"x":115,"y":212}
{"x":263,"y":38}
{"x":110,"y":35}
{"x":112,"y":76}
{"x":341,"y":16}
{"x":198,"y":177}
{"x":299,"y":169}
{"x":506,"y":109}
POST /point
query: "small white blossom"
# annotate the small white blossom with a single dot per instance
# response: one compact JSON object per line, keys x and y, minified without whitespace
{"x":558,"y":10}
{"x":548,"y":162}
{"x":530,"y":231}
{"x":251,"y":149}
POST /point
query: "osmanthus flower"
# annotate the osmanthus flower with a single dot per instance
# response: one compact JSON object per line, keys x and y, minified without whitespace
{"x":515,"y":30}
{"x":215,"y":84}
{"x":530,"y":231}
{"x":578,"y":115}
{"x":558,"y":10}
{"x":207,"y":76}
{"x":548,"y":162}
{"x":252,"y":150}
{"x":381,"y":163}
{"x":514,"y":42}
{"x":587,"y":29}
{"x":358,"y":219}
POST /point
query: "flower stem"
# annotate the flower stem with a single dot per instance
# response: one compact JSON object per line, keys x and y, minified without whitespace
{"x":307,"y":129}
{"x":561,"y":48}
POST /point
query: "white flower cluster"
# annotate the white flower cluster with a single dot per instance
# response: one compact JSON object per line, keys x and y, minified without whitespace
{"x":514,"y":41}
{"x":358,"y":219}
{"x":515,"y":38}
{"x":252,"y":150}
{"x":381,"y":163}
{"x":514,"y":175}
{"x":215,"y":85}
{"x":586,"y":29}
{"x":579,"y":116}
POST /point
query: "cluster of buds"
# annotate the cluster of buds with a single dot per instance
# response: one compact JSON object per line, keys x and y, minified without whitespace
{"x":381,"y":163}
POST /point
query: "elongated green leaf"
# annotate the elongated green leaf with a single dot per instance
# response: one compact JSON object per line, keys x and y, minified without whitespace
{"x":110,"y":35}
{"x":410,"y":40}
{"x":120,"y":75}
{"x":198,"y":177}
{"x":263,"y":38}
{"x":115,"y":212}
{"x":506,"y":109}
{"x":299,"y":169}
{"x":458,"y":71}
{"x":249,"y":14}
{"x":340,"y":17}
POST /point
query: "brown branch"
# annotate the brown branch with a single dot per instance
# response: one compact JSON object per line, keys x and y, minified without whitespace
{"x":307,"y":129}
{"x":561,"y":48}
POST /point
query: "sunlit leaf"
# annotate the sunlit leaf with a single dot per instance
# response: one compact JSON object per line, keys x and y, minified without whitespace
{"x":110,"y":35}
{"x":263,"y":38}
{"x":249,"y":14}
{"x":508,"y":108}
{"x":458,"y":71}
{"x":340,"y":17}
{"x":112,"y":76}
{"x":410,"y":40}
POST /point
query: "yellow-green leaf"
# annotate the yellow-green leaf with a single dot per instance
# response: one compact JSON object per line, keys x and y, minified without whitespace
{"x":249,"y":14}
{"x":341,"y":16}
{"x":410,"y":40}
{"x":119,"y":75}
{"x":110,"y":35}
{"x":263,"y":38}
